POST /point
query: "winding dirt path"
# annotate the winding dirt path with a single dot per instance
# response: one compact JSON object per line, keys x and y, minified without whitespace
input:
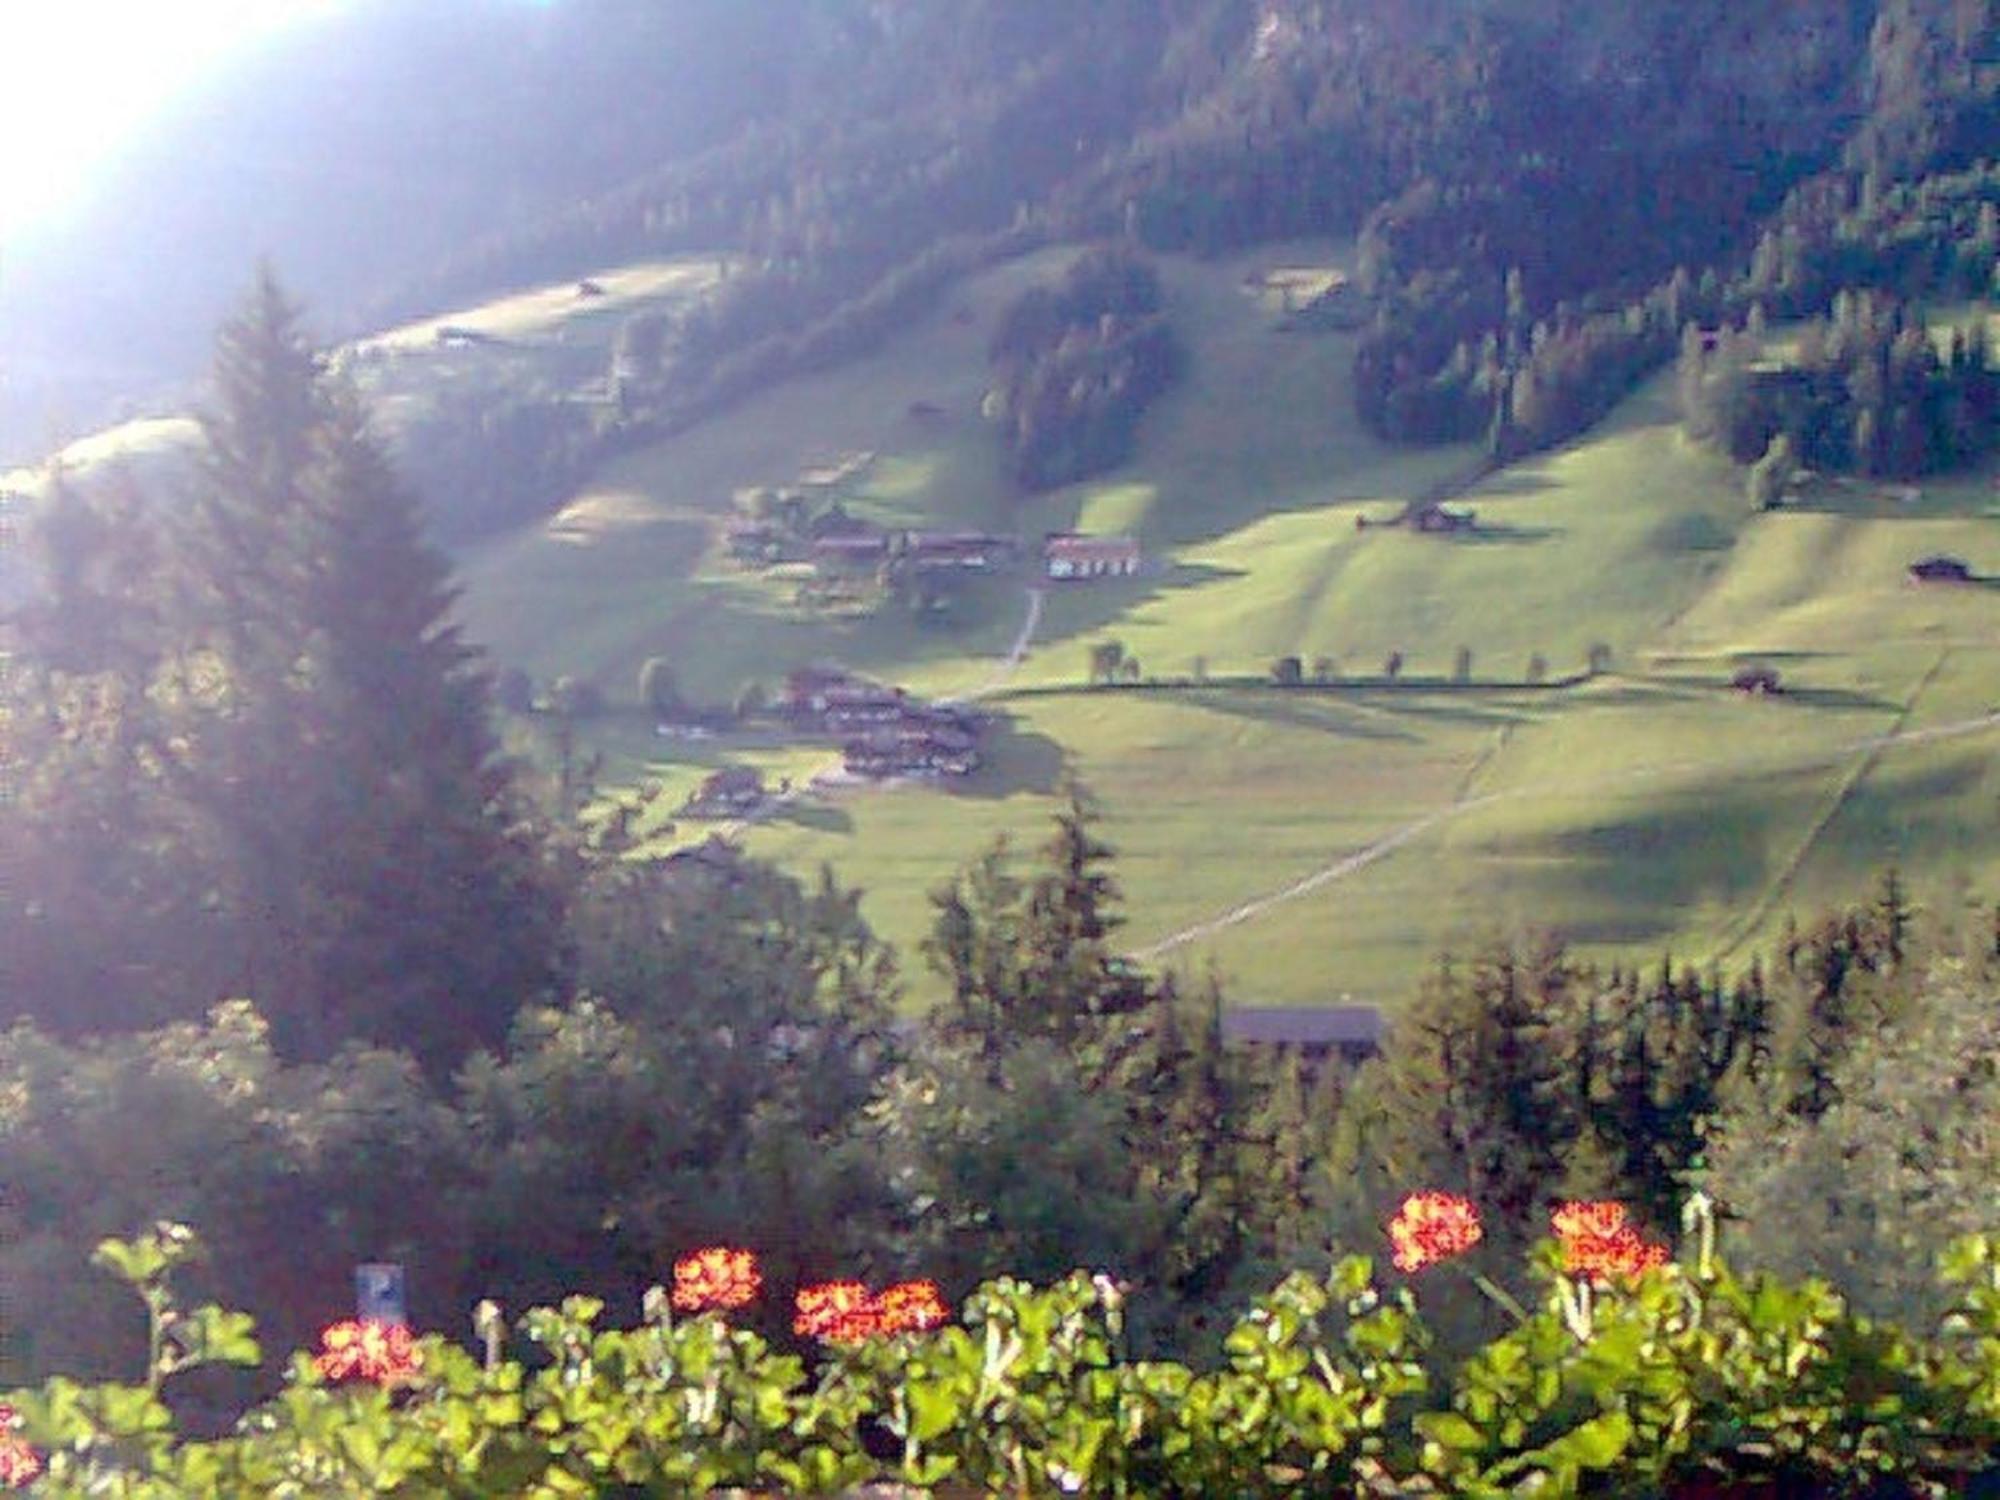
{"x":1871,"y":746}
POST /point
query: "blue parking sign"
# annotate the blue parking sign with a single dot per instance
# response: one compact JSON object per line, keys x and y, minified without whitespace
{"x":379,"y":1293}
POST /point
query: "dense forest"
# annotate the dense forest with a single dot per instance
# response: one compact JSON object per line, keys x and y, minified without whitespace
{"x":1077,"y":365}
{"x":1529,"y":178}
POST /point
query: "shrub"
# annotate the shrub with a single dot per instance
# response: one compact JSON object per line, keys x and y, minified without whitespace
{"x":1633,"y":1375}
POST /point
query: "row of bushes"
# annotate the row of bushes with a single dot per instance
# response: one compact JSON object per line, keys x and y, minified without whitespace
{"x":1632,"y":1377}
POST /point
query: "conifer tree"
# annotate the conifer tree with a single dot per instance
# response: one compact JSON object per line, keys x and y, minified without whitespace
{"x":358,"y":816}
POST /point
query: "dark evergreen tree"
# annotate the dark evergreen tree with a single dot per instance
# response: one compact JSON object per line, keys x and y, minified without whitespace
{"x":370,"y":865}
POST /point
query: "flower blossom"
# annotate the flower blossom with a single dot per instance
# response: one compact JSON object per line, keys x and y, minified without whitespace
{"x":912,"y":1307}
{"x":716,"y":1278}
{"x":846,"y":1312}
{"x":367,"y":1349}
{"x":1599,"y":1245}
{"x":1431,"y":1227}
{"x":837,"y":1312}
{"x":20,"y":1465}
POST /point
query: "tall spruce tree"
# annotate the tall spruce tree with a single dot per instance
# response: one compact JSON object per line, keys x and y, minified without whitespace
{"x":365,"y":847}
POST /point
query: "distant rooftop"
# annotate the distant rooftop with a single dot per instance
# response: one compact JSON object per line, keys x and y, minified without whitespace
{"x":1304,"y":1025}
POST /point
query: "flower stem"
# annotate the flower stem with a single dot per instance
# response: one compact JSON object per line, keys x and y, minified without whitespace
{"x":1500,"y":1297}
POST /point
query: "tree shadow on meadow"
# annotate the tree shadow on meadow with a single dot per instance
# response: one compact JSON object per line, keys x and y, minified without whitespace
{"x":1322,"y":714}
{"x":817,"y":816}
{"x":1076,"y":610}
{"x":1013,"y":760}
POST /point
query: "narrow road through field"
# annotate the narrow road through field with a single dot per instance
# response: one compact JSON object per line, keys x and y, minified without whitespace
{"x":1872,"y":746}
{"x":1016,"y":653}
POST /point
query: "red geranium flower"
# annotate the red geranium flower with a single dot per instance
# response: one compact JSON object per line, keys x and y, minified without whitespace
{"x":20,"y":1465}
{"x":837,"y":1312}
{"x":368,"y":1349}
{"x":716,"y":1278}
{"x":1431,"y":1227}
{"x":1599,"y":1245}
{"x":912,"y":1307}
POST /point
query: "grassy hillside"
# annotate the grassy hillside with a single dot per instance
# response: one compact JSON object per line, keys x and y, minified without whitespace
{"x":1314,"y":843}
{"x":1323,"y":842}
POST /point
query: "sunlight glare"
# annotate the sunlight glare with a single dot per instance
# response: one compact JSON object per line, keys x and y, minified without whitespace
{"x":78,"y":78}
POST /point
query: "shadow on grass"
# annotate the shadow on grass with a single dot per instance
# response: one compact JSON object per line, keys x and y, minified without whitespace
{"x":820,"y":817}
{"x":1502,"y":535}
{"x":1297,"y":712}
{"x":1014,"y":760}
{"x":1511,"y":484}
{"x":1080,"y":610}
{"x":1457,"y":711}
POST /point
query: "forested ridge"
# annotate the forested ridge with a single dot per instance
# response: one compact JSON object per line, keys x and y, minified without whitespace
{"x":1509,"y":163}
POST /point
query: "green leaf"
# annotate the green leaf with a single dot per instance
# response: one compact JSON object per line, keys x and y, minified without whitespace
{"x":934,"y":1409}
{"x":1450,"y":1430}
{"x":1598,"y":1443}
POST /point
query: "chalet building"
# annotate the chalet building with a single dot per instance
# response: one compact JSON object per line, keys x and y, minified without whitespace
{"x":862,"y":706}
{"x":904,"y":750}
{"x":856,"y":552}
{"x":751,"y":540}
{"x":806,"y":688}
{"x":715,"y":855}
{"x":1066,"y":555}
{"x":1759,"y":682}
{"x":729,"y":793}
{"x":1438,"y":521}
{"x":975,"y":551}
{"x":1940,"y":569}
{"x":1350,"y":1032}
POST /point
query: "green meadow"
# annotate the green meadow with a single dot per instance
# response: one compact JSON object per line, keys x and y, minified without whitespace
{"x":1324,"y":842}
{"x":1316,"y":843}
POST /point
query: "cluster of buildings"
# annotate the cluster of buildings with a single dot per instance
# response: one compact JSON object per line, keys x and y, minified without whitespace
{"x":884,"y":731}
{"x":840,"y":545}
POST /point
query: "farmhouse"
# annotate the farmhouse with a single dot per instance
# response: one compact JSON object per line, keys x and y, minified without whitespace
{"x":974,"y":551}
{"x":1940,"y":569}
{"x":850,"y":551}
{"x":1758,"y":681}
{"x":727,"y":793}
{"x":910,"y":748}
{"x":750,"y":540}
{"x":1353,"y":1032}
{"x":1068,"y":555}
{"x":1438,"y":521}
{"x":807,"y":688}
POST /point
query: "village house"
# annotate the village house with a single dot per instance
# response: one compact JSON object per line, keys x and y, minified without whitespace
{"x":862,"y":705}
{"x":1436,"y":520}
{"x":1351,"y":1032}
{"x":975,"y":551}
{"x":1940,"y":569}
{"x":1067,"y":555}
{"x":852,"y":552}
{"x":912,"y":748}
{"x":1758,"y":681}
{"x":750,"y":540}
{"x":806,"y":688}
{"x":728,"y":793}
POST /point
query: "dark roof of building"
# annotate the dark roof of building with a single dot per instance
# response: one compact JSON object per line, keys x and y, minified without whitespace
{"x":1941,"y":566}
{"x":1303,"y":1025}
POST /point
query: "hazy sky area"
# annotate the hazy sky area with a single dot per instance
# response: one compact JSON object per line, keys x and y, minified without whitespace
{"x":79,"y":78}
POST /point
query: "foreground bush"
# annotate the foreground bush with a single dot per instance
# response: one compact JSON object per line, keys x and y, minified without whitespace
{"x":1636,"y":1376}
